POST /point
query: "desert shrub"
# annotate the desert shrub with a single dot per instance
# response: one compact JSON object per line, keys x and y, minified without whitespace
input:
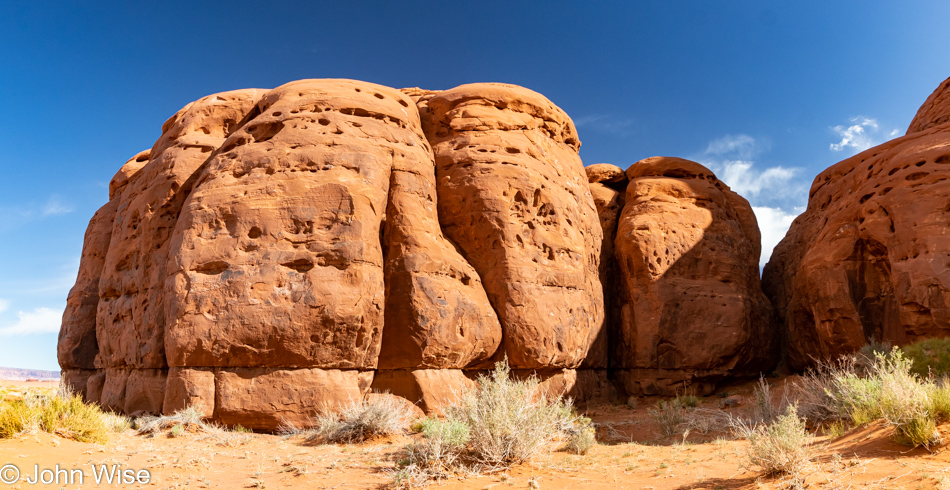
{"x":905,"y":401}
{"x":436,"y":456}
{"x":688,"y":401}
{"x":501,"y":422}
{"x":885,"y":389}
{"x":63,"y":413}
{"x":762,"y":408}
{"x":668,"y":415}
{"x":581,"y":437}
{"x":929,"y":357}
{"x":360,"y":421}
{"x":510,"y":420}
{"x":940,"y":398}
{"x":779,"y":447}
{"x":117,"y":423}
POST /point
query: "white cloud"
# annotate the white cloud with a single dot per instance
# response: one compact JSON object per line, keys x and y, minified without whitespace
{"x":862,"y":133}
{"x":732,"y":158}
{"x":742,"y":178}
{"x":773,"y":224}
{"x":4,"y":305}
{"x":38,"y":321}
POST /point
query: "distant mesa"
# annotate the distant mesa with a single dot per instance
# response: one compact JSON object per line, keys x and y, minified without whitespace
{"x":16,"y":374}
{"x":280,"y":252}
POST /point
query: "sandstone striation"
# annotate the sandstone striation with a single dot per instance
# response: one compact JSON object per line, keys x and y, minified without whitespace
{"x":868,"y":257}
{"x":688,"y":250}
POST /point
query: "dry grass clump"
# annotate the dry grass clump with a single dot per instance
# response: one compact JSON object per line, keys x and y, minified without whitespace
{"x":501,"y":422}
{"x":669,"y":416}
{"x":189,"y":418}
{"x":779,"y":447}
{"x":63,"y":413}
{"x":360,"y":421}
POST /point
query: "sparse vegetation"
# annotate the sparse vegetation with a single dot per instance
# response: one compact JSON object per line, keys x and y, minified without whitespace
{"x":504,"y":421}
{"x":779,"y":447}
{"x":190,"y":418}
{"x":929,"y":357}
{"x":360,"y":421}
{"x":669,"y":416}
{"x":886,"y":388}
{"x":62,"y":412}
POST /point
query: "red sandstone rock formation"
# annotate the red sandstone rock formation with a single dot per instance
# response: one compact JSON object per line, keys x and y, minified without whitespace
{"x":688,"y":250}
{"x":869,"y":256}
{"x":935,"y":111}
{"x":281,"y":252}
{"x":276,"y":249}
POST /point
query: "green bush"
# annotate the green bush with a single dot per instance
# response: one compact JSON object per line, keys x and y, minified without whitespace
{"x":929,"y":357}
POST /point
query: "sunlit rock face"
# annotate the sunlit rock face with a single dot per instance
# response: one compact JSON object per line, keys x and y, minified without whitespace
{"x":870,"y":256}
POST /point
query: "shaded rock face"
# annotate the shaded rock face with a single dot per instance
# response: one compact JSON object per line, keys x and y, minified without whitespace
{"x":692,"y":306}
{"x":869,"y":256}
{"x":276,"y":251}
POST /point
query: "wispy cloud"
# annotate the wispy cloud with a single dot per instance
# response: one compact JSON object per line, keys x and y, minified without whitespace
{"x":732,"y":158}
{"x":4,"y":305}
{"x":862,"y":133}
{"x":55,"y":206}
{"x":605,"y":123}
{"x":38,"y":321}
{"x":13,"y":216}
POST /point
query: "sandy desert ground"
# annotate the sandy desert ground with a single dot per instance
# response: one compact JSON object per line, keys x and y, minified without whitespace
{"x":630,"y":455}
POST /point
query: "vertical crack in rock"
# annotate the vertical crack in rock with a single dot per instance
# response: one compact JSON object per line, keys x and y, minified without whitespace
{"x":437,"y":312}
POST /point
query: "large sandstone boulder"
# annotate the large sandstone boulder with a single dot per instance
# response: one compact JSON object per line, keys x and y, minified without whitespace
{"x":513,"y":196}
{"x":688,"y":250}
{"x":870,"y":256}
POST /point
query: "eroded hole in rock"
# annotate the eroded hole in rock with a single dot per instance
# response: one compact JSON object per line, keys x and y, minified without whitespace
{"x":916,"y":176}
{"x":254,"y":232}
{"x":299,"y":265}
{"x":212,"y":268}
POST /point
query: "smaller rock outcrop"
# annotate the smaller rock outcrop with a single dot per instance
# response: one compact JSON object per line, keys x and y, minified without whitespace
{"x":688,"y":250}
{"x":935,"y":110}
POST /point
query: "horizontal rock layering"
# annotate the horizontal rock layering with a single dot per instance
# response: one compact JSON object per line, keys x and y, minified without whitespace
{"x":277,"y":253}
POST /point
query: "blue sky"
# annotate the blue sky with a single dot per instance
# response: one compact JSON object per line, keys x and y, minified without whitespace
{"x":766,"y":93}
